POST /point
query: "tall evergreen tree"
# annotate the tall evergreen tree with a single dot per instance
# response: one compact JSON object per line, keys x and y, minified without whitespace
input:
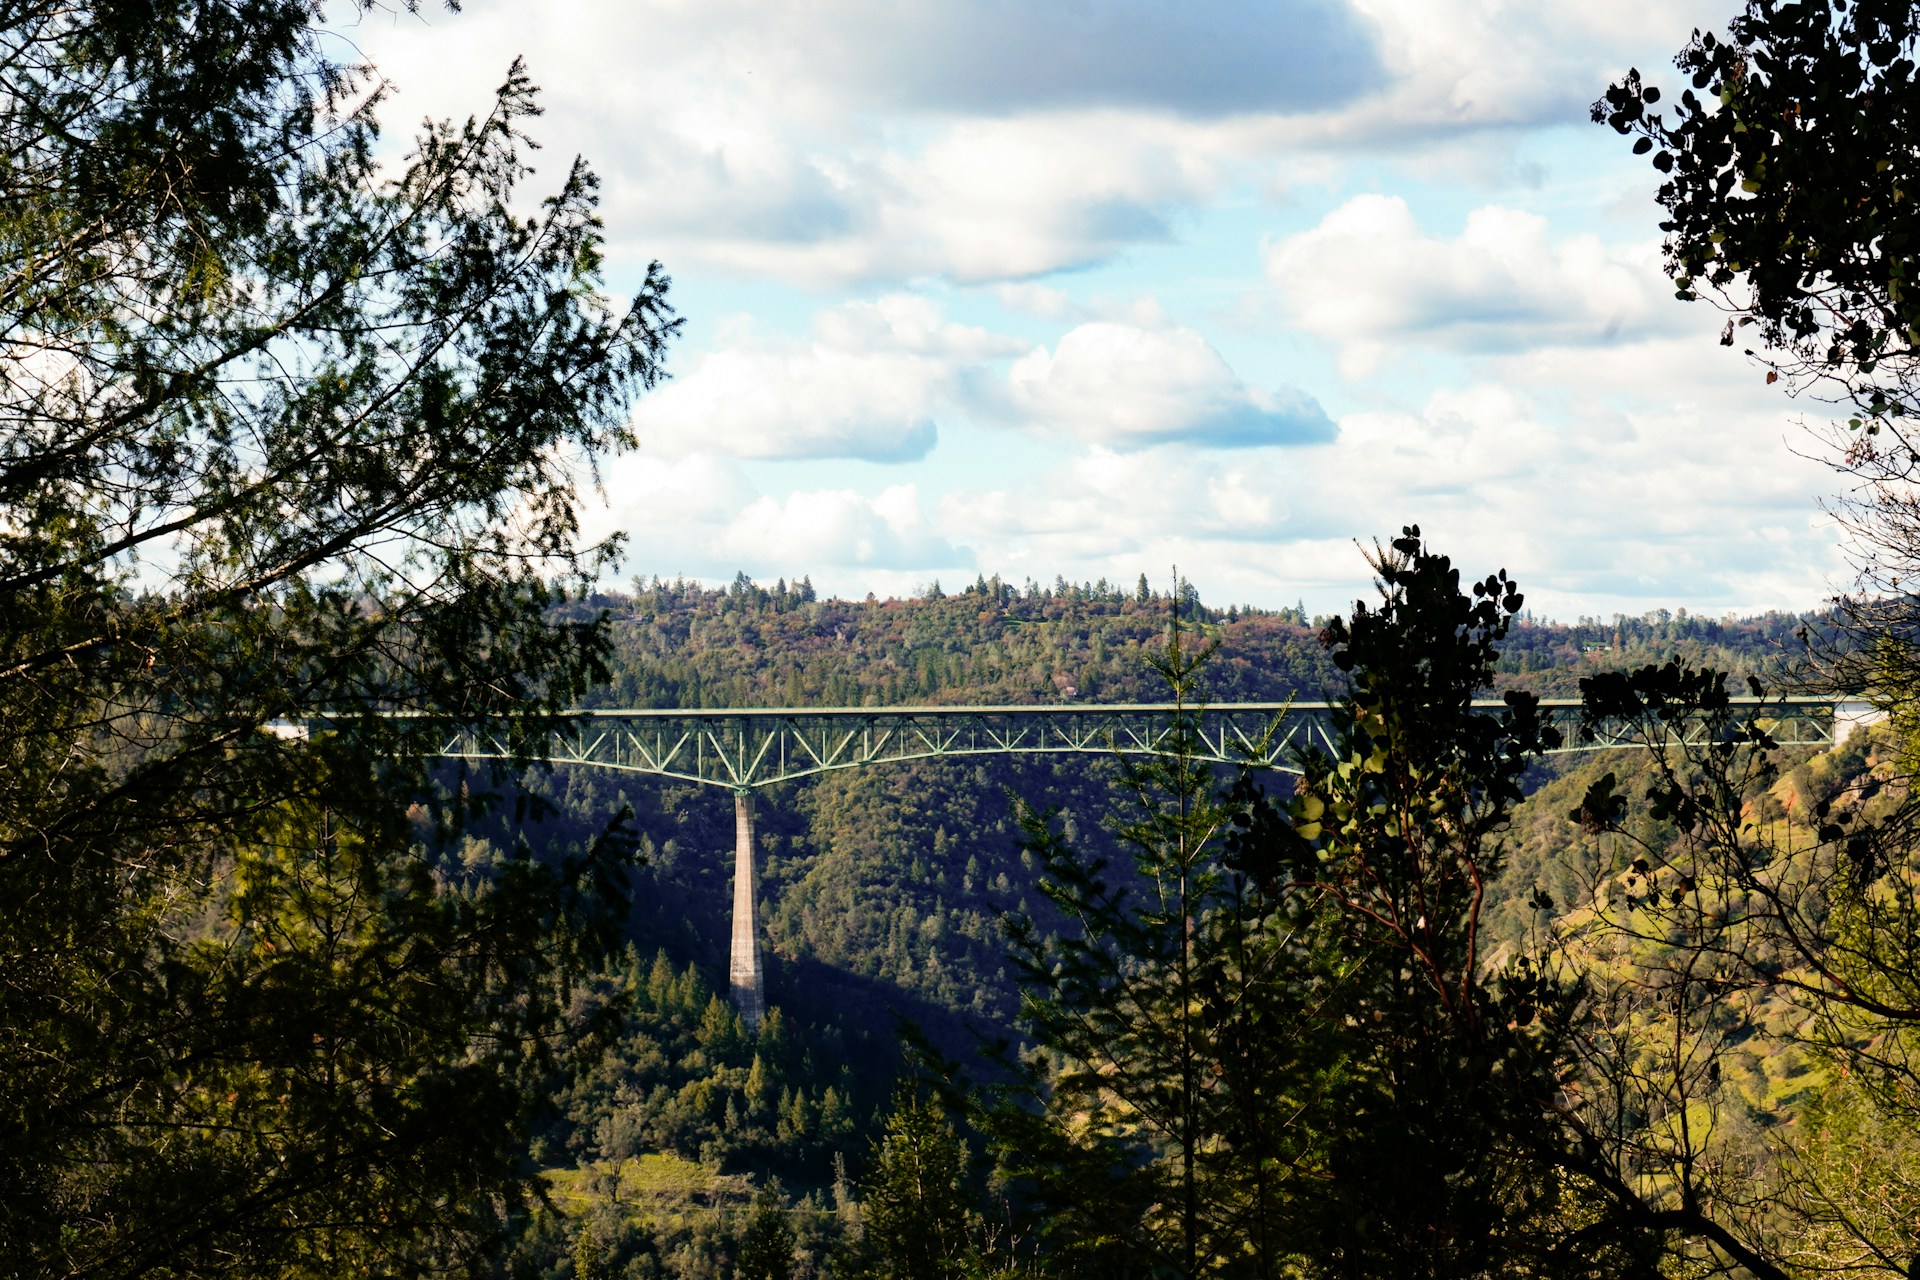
{"x":1150,"y":1131}
{"x":919,"y":1222}
{"x":766,"y":1250}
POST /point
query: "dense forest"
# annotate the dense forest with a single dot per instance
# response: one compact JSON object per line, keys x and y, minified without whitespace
{"x":885,"y":890}
{"x":679,"y":644}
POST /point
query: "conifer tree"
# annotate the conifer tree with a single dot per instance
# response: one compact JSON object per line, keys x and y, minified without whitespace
{"x":917,"y":1213}
{"x":1149,"y":1132}
{"x":766,"y":1251}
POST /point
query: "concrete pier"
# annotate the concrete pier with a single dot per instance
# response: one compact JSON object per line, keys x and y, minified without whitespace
{"x":749,"y":996}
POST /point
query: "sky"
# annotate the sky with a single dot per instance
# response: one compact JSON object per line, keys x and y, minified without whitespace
{"x":1096,"y":288}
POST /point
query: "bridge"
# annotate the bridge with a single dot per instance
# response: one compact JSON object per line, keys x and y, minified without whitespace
{"x":745,"y":749}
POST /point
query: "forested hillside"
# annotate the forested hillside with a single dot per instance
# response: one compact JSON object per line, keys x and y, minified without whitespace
{"x":682,"y":645}
{"x":884,"y":889}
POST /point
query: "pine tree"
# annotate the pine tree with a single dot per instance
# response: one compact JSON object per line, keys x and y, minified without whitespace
{"x":757,"y":1088}
{"x":1153,"y":1130}
{"x":766,"y":1251}
{"x":918,"y":1216}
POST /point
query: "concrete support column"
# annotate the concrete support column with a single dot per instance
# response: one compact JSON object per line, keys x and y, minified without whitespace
{"x":749,"y":996}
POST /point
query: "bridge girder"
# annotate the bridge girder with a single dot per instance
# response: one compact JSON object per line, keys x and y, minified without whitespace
{"x":744,"y":749}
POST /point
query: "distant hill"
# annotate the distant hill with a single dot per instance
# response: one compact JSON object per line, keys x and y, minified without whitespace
{"x":680,"y":644}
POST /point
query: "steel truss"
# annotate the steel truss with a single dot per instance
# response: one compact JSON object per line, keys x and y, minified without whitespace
{"x":743,"y":749}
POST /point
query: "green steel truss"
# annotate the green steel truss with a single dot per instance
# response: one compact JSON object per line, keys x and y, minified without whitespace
{"x":742,"y":749}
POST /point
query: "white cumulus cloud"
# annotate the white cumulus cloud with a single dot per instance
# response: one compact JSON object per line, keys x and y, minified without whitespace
{"x":869,"y":383}
{"x":1371,"y":278}
{"x":872,"y":379}
{"x":835,"y":528}
{"x":701,"y":517}
{"x":1129,"y":387}
{"x":1619,"y":502}
{"x":1453,"y":65}
{"x":874,"y":142}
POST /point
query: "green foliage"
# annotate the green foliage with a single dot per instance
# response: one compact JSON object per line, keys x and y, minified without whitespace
{"x":678,"y":644}
{"x":1156,"y":1129}
{"x":680,"y":1074}
{"x":288,"y":431}
{"x":1788,"y":187}
{"x":1857,"y":1198}
{"x":1776,"y":911}
{"x":1276,"y":1043}
{"x":766,"y":1252}
{"x":1438,"y":1155}
{"x":1767,"y":922}
{"x":1550,"y":659}
{"x":919,"y":1220}
{"x":882,"y":887}
{"x":1549,"y":869}
{"x":1789,"y":200}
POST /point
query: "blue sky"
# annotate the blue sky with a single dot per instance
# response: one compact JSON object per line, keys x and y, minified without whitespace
{"x":1094,"y":288}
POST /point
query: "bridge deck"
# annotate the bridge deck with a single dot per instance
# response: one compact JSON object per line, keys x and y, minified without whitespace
{"x":744,"y":748}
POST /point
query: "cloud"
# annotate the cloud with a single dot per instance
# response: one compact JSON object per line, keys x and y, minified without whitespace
{"x":1046,"y":303}
{"x":890,"y":147}
{"x":1226,"y":522}
{"x":838,"y":528}
{"x":911,"y":323}
{"x":1619,"y":502}
{"x":986,"y":56}
{"x":1678,"y":491}
{"x":864,"y":141}
{"x":873,"y":378}
{"x":701,"y":517}
{"x":811,"y":403}
{"x":1084,"y":508}
{"x":868,"y":384}
{"x":660,"y":492}
{"x":972,"y":201}
{"x":876,"y":142}
{"x":1633,"y":502}
{"x":1370,"y":278}
{"x":1469,"y":65}
{"x":968,"y":57}
{"x":1129,"y":387}
{"x":667,"y":507}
